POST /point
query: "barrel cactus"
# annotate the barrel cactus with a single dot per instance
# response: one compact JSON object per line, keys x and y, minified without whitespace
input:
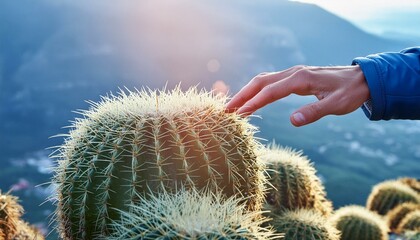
{"x":411,"y":222}
{"x":293,"y":181}
{"x":11,"y":224}
{"x":387,"y":195}
{"x":304,"y":224}
{"x":356,"y":222}
{"x":190,"y":215}
{"x":27,"y":232}
{"x":10,"y":213}
{"x":397,"y":214}
{"x":147,"y":141}
{"x":412,"y":235}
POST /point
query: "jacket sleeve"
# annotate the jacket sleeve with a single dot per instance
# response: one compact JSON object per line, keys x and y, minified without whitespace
{"x":394,"y":84}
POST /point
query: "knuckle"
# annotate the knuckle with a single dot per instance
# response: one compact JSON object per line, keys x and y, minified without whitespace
{"x":258,"y":81}
{"x":315,"y":110}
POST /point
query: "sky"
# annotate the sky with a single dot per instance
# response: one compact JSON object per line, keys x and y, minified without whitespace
{"x":389,"y":18}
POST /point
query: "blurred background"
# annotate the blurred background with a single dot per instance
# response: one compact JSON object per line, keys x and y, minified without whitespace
{"x":54,"y":55}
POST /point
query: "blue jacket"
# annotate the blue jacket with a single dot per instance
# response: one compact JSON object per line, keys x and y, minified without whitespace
{"x":394,"y":84}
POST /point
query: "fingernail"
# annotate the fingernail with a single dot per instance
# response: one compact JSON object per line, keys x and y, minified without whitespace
{"x":299,"y":118}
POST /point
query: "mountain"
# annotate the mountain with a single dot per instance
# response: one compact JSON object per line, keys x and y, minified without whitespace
{"x":56,"y":55}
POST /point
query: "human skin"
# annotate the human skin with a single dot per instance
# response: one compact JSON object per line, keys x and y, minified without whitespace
{"x":340,"y":90}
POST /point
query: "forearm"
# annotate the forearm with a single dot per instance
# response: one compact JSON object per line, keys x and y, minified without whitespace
{"x":394,"y":84}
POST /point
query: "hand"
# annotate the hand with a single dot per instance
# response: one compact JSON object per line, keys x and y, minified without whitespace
{"x":340,"y":90}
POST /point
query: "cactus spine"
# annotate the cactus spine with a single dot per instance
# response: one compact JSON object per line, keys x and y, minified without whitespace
{"x":294,"y":182}
{"x":356,"y":222}
{"x":304,"y":224}
{"x":190,"y":215}
{"x":140,"y":142}
{"x":411,"y":222}
{"x":387,"y":195}
{"x":397,"y":214}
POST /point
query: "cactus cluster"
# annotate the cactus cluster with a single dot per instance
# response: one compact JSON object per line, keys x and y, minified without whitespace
{"x":190,"y":215}
{"x":356,"y":222}
{"x":293,"y":181}
{"x":11,"y":224}
{"x":387,"y":195}
{"x":132,"y":144}
{"x":398,"y":213}
{"x":304,"y":224}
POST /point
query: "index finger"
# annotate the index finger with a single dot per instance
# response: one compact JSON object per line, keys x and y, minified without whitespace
{"x":254,"y":87}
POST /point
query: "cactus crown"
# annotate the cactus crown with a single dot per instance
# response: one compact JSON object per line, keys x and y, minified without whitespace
{"x":294,"y":181}
{"x":387,"y":195}
{"x":356,"y":222}
{"x":149,"y":141}
{"x":304,"y":224}
{"x":397,"y":214}
{"x":411,"y":222}
{"x":190,"y":215}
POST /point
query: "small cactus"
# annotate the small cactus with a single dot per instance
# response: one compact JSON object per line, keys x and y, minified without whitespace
{"x":387,"y":195}
{"x":356,"y":222}
{"x":10,"y":214}
{"x":411,"y":222}
{"x":395,"y":215}
{"x":11,"y":225}
{"x":27,"y":232}
{"x":129,"y":145}
{"x":190,"y":215}
{"x":412,"y":235}
{"x":304,"y":224}
{"x":293,"y":181}
{"x":411,"y":182}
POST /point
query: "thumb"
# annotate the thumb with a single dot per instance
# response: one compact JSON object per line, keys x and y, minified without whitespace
{"x":311,"y":113}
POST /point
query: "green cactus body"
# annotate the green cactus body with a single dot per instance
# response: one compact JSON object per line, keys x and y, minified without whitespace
{"x":395,"y":215}
{"x":411,"y":222}
{"x":188,"y":215}
{"x":356,"y":222}
{"x":304,"y":224}
{"x":387,"y":195}
{"x":10,"y":213}
{"x":293,"y":181}
{"x":132,"y":144}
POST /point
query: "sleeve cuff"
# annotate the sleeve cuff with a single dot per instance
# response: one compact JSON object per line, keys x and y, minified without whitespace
{"x":374,"y":108}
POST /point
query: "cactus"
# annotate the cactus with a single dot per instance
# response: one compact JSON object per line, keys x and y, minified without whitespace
{"x":293,"y":180}
{"x":27,"y":232}
{"x":411,"y":182}
{"x":190,"y":215}
{"x":356,"y":222}
{"x":387,"y":195}
{"x":148,"y":141}
{"x":411,"y":222}
{"x":304,"y":224}
{"x":10,"y":213}
{"x":11,"y":225}
{"x":412,"y":235}
{"x":395,"y":215}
